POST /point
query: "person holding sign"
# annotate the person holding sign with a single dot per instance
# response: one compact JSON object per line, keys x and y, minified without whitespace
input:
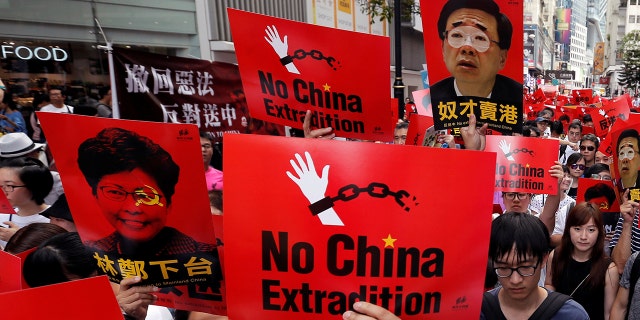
{"x":628,"y":159}
{"x":518,"y":248}
{"x":475,"y":39}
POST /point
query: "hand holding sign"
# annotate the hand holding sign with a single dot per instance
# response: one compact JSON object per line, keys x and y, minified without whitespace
{"x":281,"y":47}
{"x":368,"y":311}
{"x":474,"y":138}
{"x":313,"y":187}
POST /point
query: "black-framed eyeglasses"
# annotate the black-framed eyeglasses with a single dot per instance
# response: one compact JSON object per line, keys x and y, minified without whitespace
{"x":10,"y":187}
{"x":576,"y":166}
{"x":590,"y":148}
{"x":513,"y":195}
{"x":506,"y":272}
{"x":142,"y":195}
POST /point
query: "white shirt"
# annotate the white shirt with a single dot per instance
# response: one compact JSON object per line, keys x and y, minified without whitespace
{"x":51,"y":108}
{"x":20,"y":221}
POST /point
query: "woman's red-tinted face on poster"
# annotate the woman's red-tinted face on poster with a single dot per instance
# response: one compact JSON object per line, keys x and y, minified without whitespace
{"x":133,"y":204}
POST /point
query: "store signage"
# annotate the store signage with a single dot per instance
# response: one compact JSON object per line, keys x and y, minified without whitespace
{"x":559,"y":74}
{"x":40,"y":53}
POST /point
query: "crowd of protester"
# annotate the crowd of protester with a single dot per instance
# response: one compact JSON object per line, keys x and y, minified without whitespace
{"x":540,"y":244}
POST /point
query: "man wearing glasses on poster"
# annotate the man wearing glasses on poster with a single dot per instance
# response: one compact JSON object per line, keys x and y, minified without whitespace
{"x":475,"y":39}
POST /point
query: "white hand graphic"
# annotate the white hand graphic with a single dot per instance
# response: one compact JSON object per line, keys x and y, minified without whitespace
{"x":313,"y":186}
{"x":506,"y":149}
{"x":281,"y":47}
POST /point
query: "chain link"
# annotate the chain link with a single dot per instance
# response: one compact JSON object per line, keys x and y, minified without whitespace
{"x":316,"y":55}
{"x":375,"y":190}
{"x":523,"y":150}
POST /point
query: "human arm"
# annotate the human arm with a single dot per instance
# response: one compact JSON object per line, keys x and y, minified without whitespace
{"x":548,"y":214}
{"x":135,"y":300}
{"x":622,"y":249}
{"x":611,"y":288}
{"x":321,"y":133}
{"x":368,"y":311}
{"x":474,"y":138}
{"x":619,"y":307}
{"x":280,"y":46}
{"x":549,"y":277}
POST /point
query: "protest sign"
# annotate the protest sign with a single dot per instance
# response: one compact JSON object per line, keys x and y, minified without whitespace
{"x":155,"y":87}
{"x":139,"y":201}
{"x":332,"y":222}
{"x":418,"y":130}
{"x":522,"y":163}
{"x":474,"y":72}
{"x":304,"y":67}
{"x":10,"y":271}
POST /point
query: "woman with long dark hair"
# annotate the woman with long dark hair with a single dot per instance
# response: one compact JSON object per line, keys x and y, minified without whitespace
{"x":579,"y":267}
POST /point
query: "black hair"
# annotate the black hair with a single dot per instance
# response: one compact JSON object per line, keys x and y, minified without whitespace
{"x":628,"y":133}
{"x":600,"y":190}
{"x":35,"y":176}
{"x":595,"y":169}
{"x":587,"y":118}
{"x":557,"y":127}
{"x":31,"y":236}
{"x":523,"y":231}
{"x":575,"y":125}
{"x":61,"y":258}
{"x":526,"y":131}
{"x":564,"y":117}
{"x":402,"y":125}
{"x":574,"y":158}
{"x":103,"y":91}
{"x":505,"y":29}
{"x":205,"y":134}
{"x":115,"y":150}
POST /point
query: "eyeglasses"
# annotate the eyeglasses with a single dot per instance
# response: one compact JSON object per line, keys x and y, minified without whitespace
{"x":626,"y":153}
{"x":10,"y":187}
{"x":576,"y":166}
{"x":143,"y":195}
{"x":468,"y":35}
{"x":599,"y":177}
{"x":506,"y":272}
{"x":513,"y":195}
{"x":590,"y":148}
{"x":206,"y":146}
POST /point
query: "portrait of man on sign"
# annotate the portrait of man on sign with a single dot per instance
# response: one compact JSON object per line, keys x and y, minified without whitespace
{"x":475,"y":37}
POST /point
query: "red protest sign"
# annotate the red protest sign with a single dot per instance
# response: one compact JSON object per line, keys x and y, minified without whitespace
{"x":522,"y":164}
{"x":316,"y":260}
{"x":599,"y":192}
{"x":11,"y":271}
{"x":579,"y":96}
{"x":302,"y":67}
{"x":418,"y":129}
{"x":5,"y":205}
{"x":60,"y":301}
{"x":489,"y":74}
{"x":140,"y":203}
{"x":154,"y":87}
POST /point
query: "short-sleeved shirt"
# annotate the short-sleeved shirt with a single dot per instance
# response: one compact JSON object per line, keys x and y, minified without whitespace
{"x":625,"y":282}
{"x":571,"y":310}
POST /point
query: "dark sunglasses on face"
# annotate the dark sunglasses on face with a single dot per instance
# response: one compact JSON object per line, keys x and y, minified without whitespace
{"x":590,"y":148}
{"x":577,"y":166}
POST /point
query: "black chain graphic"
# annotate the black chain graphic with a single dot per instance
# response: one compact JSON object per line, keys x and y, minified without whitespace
{"x":316,"y":55}
{"x":376,"y":190}
{"x":523,"y":150}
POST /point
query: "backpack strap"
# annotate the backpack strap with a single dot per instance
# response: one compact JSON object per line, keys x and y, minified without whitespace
{"x":491,"y":307}
{"x":563,"y":151}
{"x":635,"y":274}
{"x":550,"y":306}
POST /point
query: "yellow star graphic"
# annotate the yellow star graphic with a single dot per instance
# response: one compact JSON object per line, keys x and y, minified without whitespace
{"x":527,"y":165}
{"x":388,"y":242}
{"x":326,"y":87}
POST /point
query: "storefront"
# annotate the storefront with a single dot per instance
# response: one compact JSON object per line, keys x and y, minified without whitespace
{"x":45,"y":43}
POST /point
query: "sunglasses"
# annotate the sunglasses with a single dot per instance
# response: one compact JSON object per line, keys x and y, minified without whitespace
{"x":590,"y":148}
{"x":578,"y":166}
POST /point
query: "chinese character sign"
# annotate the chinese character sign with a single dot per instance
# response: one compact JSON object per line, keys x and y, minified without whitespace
{"x":332,"y":222}
{"x":522,"y":164}
{"x":290,"y":67}
{"x":158,"y":88}
{"x":139,"y":202}
{"x":479,"y":66}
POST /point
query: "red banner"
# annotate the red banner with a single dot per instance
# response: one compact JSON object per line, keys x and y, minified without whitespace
{"x":522,"y":164}
{"x":159,"y":88}
{"x":419,"y":129}
{"x":139,"y":201}
{"x":290,"y":67}
{"x":322,"y":247}
{"x":60,"y":301}
{"x":582,"y":96}
{"x":11,"y":271}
